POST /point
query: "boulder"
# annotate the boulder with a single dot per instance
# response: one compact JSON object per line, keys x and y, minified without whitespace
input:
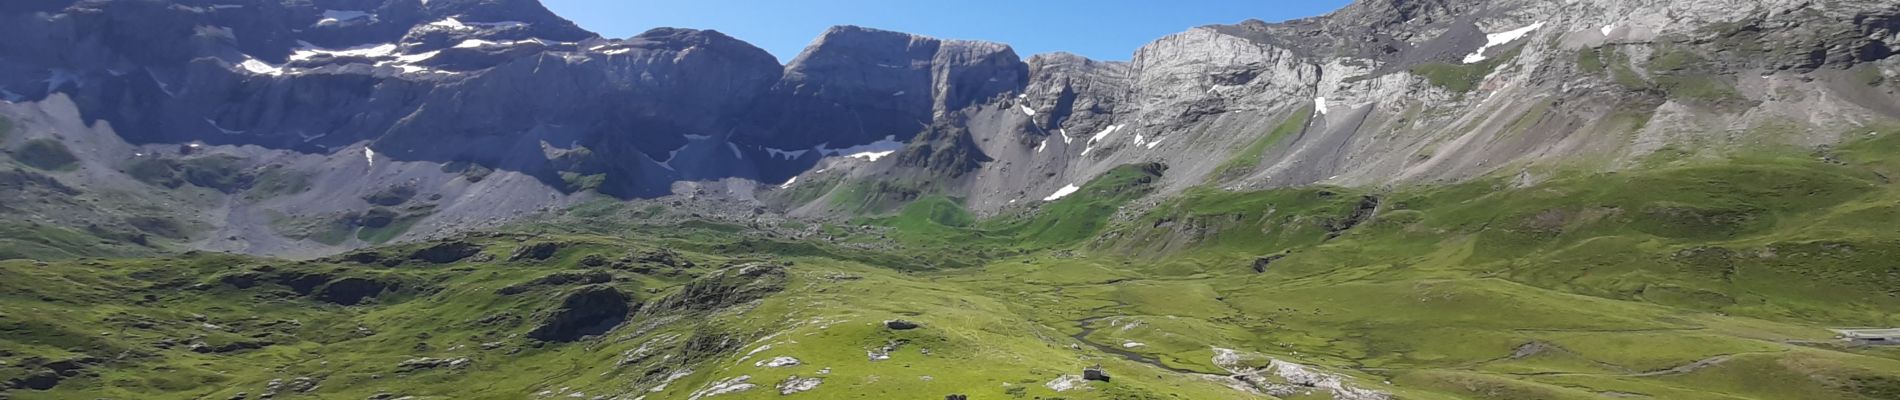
{"x":900,"y":325}
{"x":1095,"y":373}
{"x":587,"y":311}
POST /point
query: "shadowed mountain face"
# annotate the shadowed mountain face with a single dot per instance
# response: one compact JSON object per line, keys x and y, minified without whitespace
{"x":504,"y":84}
{"x":1382,"y":92}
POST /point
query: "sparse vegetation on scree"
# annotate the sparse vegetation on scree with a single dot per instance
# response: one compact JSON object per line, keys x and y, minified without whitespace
{"x":1687,"y":280}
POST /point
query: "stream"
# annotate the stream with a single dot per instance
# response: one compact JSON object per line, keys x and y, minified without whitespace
{"x":1088,"y":327}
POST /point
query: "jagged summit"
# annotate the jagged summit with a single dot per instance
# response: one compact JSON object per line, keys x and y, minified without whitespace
{"x":1382,"y":92}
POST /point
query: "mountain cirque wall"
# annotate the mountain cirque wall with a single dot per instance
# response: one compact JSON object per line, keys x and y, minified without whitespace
{"x":1381,"y":92}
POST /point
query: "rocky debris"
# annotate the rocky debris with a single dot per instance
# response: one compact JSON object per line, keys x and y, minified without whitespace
{"x":392,"y":196}
{"x":446,"y":252}
{"x":727,"y":287}
{"x":795,"y":384}
{"x":1066,"y":383}
{"x":44,"y":375}
{"x":587,"y":311}
{"x":558,"y":279}
{"x":1299,"y":378}
{"x":777,"y":362}
{"x":422,"y":364}
{"x":840,"y":277}
{"x":1360,"y":213}
{"x":1301,"y":375}
{"x":535,"y":252}
{"x":723,"y":386}
{"x":900,"y":325}
{"x":352,"y":291}
{"x":884,"y":352}
{"x":663,"y":256}
{"x":1260,"y":264}
{"x":301,"y":384}
{"x":1531,"y":349}
{"x":367,"y":258}
{"x":1095,"y":373}
{"x":202,"y":347}
{"x":594,"y":261}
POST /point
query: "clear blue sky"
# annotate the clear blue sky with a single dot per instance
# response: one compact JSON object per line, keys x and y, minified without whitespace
{"x":1099,"y":29}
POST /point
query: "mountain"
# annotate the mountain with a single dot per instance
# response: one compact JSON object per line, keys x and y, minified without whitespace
{"x":1378,"y":93}
{"x":1404,"y":199}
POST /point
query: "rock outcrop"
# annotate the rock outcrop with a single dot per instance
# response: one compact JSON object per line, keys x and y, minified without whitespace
{"x":446,"y":252}
{"x":587,"y":311}
{"x":726,"y":287}
{"x":558,"y":279}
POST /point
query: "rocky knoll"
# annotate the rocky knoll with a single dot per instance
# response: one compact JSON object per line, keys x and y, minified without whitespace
{"x":589,"y":310}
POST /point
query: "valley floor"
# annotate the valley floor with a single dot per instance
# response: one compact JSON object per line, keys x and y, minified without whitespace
{"x":1691,"y":280}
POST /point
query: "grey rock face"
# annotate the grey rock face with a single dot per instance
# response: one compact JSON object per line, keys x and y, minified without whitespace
{"x":1380,"y":92}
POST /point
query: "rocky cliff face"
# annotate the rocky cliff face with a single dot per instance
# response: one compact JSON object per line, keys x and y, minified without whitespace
{"x":1406,"y":92}
{"x":367,"y":96}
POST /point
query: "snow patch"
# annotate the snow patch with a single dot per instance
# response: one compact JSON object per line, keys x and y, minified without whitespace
{"x":871,"y":151}
{"x":1026,"y":110}
{"x":416,"y":58}
{"x":214,"y":125}
{"x":473,"y":43}
{"x":1500,"y":38}
{"x":59,"y":77}
{"x":1131,"y":345}
{"x":1104,"y":133}
{"x":339,"y":17}
{"x":787,"y":154}
{"x":1145,"y":143}
{"x":1065,"y":191}
{"x":1040,"y":146}
{"x":1099,"y":136}
{"x":788,"y":183}
{"x":369,"y":155}
{"x":368,"y":51}
{"x":260,"y":67}
{"x":872,"y":155}
{"x":454,"y":23}
{"x":1607,"y":29}
{"x":1319,"y":104}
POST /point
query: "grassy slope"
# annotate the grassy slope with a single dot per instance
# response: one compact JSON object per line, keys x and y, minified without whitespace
{"x":1575,"y":288}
